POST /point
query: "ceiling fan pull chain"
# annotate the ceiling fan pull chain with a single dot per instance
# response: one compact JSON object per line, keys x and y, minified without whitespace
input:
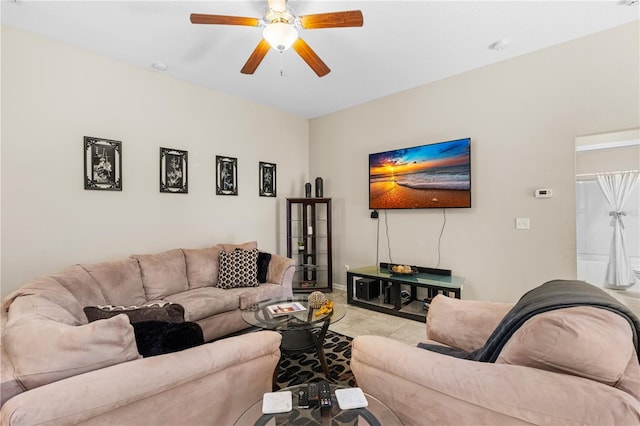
{"x":281,"y":63}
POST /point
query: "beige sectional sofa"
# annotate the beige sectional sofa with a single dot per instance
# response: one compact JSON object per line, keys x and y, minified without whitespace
{"x":69,"y":370}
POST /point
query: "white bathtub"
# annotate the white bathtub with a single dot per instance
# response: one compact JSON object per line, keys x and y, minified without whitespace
{"x":592,"y":268}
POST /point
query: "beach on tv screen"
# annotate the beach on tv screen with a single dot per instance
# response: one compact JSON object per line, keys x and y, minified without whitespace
{"x":427,"y":176}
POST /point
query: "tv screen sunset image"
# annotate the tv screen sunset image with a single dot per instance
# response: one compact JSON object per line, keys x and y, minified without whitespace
{"x":427,"y":176}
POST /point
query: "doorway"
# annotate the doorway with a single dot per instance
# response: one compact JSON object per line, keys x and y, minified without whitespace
{"x":608,"y":153}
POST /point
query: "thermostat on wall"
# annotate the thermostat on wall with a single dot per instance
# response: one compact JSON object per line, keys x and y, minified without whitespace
{"x":544,"y":193}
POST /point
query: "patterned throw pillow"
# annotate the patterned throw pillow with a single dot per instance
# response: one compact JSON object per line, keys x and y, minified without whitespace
{"x":163,"y":311}
{"x":238,"y":268}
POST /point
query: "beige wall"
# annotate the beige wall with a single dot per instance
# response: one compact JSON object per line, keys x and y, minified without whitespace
{"x":622,"y":153}
{"x":523,"y":116}
{"x":53,"y":94}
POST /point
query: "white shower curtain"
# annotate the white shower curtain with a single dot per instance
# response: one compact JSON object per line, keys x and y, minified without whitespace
{"x":616,"y":188}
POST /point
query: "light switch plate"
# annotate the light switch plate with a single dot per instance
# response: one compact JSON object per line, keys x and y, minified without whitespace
{"x":522,"y":223}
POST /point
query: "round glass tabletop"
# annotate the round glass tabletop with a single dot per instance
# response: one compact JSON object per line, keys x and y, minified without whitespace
{"x":375,"y":414}
{"x":260,"y":315}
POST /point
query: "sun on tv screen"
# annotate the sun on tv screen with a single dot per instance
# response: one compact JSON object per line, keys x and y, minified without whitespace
{"x":427,"y":176}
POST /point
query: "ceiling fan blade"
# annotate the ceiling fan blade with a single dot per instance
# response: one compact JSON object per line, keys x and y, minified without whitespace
{"x":256,"y":57}
{"x":349,"y":18}
{"x":199,"y":18}
{"x":310,"y":57}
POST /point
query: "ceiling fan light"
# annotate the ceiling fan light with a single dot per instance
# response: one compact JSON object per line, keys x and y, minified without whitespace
{"x":280,"y":35}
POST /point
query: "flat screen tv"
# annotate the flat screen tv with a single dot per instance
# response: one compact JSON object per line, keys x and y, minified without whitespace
{"x":428,"y":176}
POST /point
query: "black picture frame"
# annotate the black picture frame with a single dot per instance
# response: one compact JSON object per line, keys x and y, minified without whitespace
{"x":267,"y":179}
{"x":174,"y":171}
{"x":102,"y":164}
{"x":226,"y":175}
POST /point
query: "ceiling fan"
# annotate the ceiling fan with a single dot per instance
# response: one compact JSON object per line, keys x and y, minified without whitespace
{"x":281,"y":26}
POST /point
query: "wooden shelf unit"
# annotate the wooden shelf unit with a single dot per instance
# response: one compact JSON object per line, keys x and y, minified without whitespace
{"x":309,"y":223}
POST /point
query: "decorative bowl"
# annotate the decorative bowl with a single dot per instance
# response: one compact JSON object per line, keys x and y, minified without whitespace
{"x":316,"y":299}
{"x":403,"y":270}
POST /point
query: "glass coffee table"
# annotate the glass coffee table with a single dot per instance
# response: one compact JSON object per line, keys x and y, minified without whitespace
{"x":301,"y":331}
{"x":375,"y":414}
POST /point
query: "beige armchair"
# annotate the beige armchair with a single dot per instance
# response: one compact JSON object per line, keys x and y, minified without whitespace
{"x":568,"y":366}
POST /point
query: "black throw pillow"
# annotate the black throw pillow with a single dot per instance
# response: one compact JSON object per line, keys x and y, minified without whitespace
{"x":158,"y":311}
{"x":159,"y":337}
{"x":263,"y":266}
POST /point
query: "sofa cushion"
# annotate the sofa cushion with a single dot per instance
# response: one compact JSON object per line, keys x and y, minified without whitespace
{"x":279,"y":267}
{"x":244,"y":246}
{"x":161,"y":311}
{"x":252,"y":295}
{"x":238,"y":268}
{"x":163,"y":273}
{"x":47,"y":298}
{"x":44,"y":351}
{"x":574,"y":341}
{"x":82,"y":285}
{"x":204,"y":302}
{"x":159,"y":337}
{"x":202,"y":266}
{"x":263,"y":266}
{"x":42,"y":307}
{"x":479,"y":319}
{"x":120,"y":281}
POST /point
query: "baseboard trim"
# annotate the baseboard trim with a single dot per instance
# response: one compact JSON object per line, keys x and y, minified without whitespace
{"x":341,"y":287}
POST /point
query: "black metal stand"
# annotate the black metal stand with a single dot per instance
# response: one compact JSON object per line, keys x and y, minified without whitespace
{"x":390,"y":300}
{"x":297,"y":341}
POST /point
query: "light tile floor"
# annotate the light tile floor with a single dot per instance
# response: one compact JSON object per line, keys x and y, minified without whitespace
{"x":359,"y":321}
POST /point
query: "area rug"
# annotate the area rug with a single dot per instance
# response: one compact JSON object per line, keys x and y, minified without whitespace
{"x":305,"y":368}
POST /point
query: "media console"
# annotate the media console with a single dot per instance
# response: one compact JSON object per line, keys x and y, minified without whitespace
{"x":391,"y":295}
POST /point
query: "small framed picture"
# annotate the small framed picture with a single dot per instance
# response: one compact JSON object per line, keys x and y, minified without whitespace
{"x":267,"y":177}
{"x":173,"y":171}
{"x":226,"y":175}
{"x":102,"y":164}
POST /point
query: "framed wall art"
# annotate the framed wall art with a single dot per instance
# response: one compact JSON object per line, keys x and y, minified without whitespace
{"x":173,"y":171}
{"x":267,"y":179}
{"x":226,"y":175}
{"x":102,"y":164}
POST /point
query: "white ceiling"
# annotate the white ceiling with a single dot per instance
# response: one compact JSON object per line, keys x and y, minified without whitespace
{"x":403,"y":44}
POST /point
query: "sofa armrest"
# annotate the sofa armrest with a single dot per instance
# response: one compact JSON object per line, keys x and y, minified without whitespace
{"x":44,"y":351}
{"x":209,"y":384}
{"x":463,"y":324}
{"x":424,"y":387}
{"x":10,"y":386}
{"x":281,"y":270}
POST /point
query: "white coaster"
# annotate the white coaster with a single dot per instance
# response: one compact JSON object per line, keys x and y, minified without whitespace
{"x":276,"y":402}
{"x":351,"y":398}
